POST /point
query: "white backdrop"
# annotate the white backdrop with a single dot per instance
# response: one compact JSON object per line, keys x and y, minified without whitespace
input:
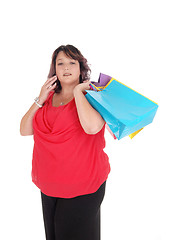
{"x":128,"y":40}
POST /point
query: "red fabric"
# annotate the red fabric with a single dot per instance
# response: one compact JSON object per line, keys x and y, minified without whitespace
{"x":66,"y":162}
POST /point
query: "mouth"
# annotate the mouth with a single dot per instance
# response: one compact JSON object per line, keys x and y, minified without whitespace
{"x":67,"y":74}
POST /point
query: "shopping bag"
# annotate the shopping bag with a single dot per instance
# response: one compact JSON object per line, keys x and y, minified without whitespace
{"x":97,"y":86}
{"x":125,"y":111}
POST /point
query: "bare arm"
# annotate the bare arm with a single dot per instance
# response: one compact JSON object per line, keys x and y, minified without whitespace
{"x":91,"y":120}
{"x":26,"y":127}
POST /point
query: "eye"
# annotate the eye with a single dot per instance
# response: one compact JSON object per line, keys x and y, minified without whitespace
{"x":72,"y":62}
{"x":60,"y":63}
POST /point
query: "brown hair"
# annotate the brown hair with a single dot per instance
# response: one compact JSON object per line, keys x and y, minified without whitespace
{"x":75,"y":54}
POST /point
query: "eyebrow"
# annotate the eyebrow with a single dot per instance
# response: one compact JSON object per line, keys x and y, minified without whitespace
{"x":62,"y":58}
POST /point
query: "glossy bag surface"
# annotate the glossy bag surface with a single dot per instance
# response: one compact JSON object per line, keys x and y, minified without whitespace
{"x":124,"y":110}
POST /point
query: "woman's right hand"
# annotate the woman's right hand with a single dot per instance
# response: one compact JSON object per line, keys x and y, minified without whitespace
{"x":46,"y":88}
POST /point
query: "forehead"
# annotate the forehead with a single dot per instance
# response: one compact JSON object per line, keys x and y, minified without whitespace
{"x":62,"y":56}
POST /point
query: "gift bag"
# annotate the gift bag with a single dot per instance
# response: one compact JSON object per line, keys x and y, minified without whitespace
{"x":125,"y":111}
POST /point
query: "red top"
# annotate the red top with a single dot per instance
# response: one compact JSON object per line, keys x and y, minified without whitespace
{"x":67,"y":162}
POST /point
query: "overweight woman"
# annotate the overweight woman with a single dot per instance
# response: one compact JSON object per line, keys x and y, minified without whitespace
{"x":69,"y":165}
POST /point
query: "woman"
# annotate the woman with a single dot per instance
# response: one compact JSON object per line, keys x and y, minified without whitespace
{"x":69,"y":165}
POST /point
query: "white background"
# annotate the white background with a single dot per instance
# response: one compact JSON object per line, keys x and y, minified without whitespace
{"x":128,"y":40}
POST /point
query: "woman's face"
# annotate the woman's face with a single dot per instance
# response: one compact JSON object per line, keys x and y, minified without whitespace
{"x":65,"y":65}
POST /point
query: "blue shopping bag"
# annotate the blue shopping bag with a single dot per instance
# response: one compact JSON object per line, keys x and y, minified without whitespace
{"x":124,"y":110}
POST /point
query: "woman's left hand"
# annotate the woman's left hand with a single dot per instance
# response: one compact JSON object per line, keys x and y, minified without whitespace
{"x":83,"y":86}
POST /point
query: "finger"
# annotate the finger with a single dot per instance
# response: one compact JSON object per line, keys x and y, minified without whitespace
{"x":54,"y":85}
{"x":51,"y":86}
{"x":87,"y":81}
{"x":50,"y":83}
{"x":50,"y":79}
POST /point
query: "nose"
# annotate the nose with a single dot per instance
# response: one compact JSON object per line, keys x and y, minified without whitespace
{"x":66,"y":67}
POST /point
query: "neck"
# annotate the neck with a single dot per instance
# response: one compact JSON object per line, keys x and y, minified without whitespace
{"x":67,"y":91}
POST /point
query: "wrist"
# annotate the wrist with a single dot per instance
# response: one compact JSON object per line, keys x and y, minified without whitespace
{"x":77,"y":90}
{"x":38,"y":102}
